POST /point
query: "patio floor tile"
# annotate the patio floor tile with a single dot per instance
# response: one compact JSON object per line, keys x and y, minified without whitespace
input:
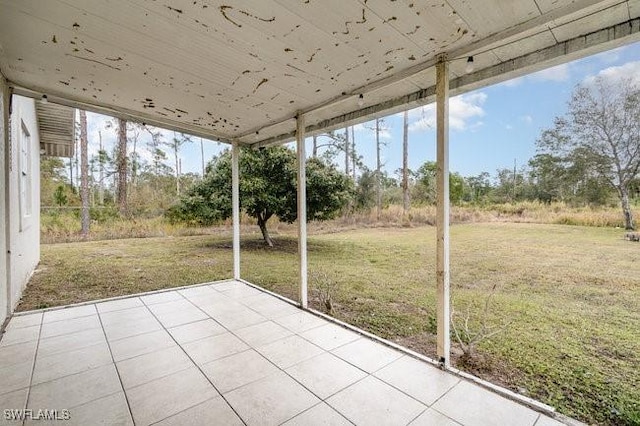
{"x":119,"y":305}
{"x":20,"y":335}
{"x":214,"y":411}
{"x":329,"y":336}
{"x":16,"y":376}
{"x":69,"y":313}
{"x":214,"y":347}
{"x":262,"y":333}
{"x":300,"y":321}
{"x":125,"y":329}
{"x":238,"y":318}
{"x":271,"y":401}
{"x":140,"y":344}
{"x":151,"y":366}
{"x":431,"y":417}
{"x":547,"y":421}
{"x":240,"y":292}
{"x":68,"y":326}
{"x":164,"y":397}
{"x":181,"y":317}
{"x":120,"y":362}
{"x":15,"y":400}
{"x":25,"y":320}
{"x":269,"y":306}
{"x":172,"y":306}
{"x":196,"y":330}
{"x":318,"y":415}
{"x":63,"y":364}
{"x":482,"y":407}
{"x":238,"y":370}
{"x":125,"y":316}
{"x":367,"y":354}
{"x":289,"y":351}
{"x":162,"y":297}
{"x":75,"y":390}
{"x":18,"y":353}
{"x":70,"y":342}
{"x":325,"y":374}
{"x":424,"y":382}
{"x":109,"y":410}
{"x":371,"y":401}
{"x":197,"y":291}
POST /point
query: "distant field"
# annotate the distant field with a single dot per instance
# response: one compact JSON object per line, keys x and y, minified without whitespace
{"x":571,"y":295}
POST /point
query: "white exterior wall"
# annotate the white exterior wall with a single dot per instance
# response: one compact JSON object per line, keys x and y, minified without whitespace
{"x":24,"y":197}
{"x":4,"y":139}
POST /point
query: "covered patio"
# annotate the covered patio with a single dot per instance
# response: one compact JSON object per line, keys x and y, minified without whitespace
{"x":252,"y":75}
{"x":227,"y":353}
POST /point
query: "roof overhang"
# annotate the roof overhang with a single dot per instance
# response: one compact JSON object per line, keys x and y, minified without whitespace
{"x":244,"y":70}
{"x":56,"y":127}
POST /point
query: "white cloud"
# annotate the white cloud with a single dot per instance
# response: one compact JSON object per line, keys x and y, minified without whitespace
{"x":527,"y":119}
{"x":514,"y":82}
{"x":558,"y":73}
{"x":611,"y":74}
{"x":610,"y":56}
{"x":462,"y":109}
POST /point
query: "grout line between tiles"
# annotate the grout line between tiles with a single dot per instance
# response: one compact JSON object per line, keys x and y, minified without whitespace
{"x":126,"y":397}
{"x":194,"y":362}
{"x":33,"y":366}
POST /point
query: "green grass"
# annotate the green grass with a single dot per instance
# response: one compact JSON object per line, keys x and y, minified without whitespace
{"x":571,"y":295}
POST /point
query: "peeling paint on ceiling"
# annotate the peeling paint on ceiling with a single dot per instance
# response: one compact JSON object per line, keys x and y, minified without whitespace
{"x":232,"y":69}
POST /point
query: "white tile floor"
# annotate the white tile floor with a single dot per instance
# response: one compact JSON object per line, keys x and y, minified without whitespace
{"x":226,"y":353}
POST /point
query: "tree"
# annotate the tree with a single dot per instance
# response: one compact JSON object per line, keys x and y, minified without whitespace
{"x":405,"y":163}
{"x":267,"y":188}
{"x":84,"y":175}
{"x":602,"y":129}
{"x":121,"y":166}
{"x":178,"y":140}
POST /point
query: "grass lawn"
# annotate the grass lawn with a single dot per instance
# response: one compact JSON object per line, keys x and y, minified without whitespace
{"x":571,"y":295}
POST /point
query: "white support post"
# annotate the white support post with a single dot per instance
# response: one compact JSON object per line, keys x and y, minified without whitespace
{"x":235,"y":202}
{"x":302,"y":209}
{"x":442,"y":214}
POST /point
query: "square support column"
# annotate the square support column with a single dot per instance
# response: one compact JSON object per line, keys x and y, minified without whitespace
{"x":442,"y":214}
{"x":5,"y":268}
{"x":302,"y":209}
{"x":235,"y":203}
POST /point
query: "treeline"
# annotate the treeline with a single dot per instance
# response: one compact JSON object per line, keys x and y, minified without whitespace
{"x":590,"y":156}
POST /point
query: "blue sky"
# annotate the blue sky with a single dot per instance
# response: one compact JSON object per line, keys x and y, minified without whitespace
{"x":490,"y":127}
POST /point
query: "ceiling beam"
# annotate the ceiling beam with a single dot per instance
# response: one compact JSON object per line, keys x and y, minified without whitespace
{"x":606,"y":38}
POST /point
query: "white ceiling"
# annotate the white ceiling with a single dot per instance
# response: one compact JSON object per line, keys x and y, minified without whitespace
{"x":244,"y":69}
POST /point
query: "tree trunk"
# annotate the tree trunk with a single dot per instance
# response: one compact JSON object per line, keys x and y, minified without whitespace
{"x":347,"y":148}
{"x":134,"y":161}
{"x":378,"y":169}
{"x":314,"y":152}
{"x":71,"y":172}
{"x":626,"y":209}
{"x":405,"y":163}
{"x":101,"y":183}
{"x":84,"y":175}
{"x":202,"y":156}
{"x":175,"y":155}
{"x":353,"y":153}
{"x":121,"y":165}
{"x":262,"y":223}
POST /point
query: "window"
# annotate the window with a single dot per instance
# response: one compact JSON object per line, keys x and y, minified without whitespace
{"x":25,"y":173}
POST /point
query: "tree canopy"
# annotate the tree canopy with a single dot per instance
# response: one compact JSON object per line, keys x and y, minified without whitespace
{"x":267,"y":189}
{"x":600,"y":136}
